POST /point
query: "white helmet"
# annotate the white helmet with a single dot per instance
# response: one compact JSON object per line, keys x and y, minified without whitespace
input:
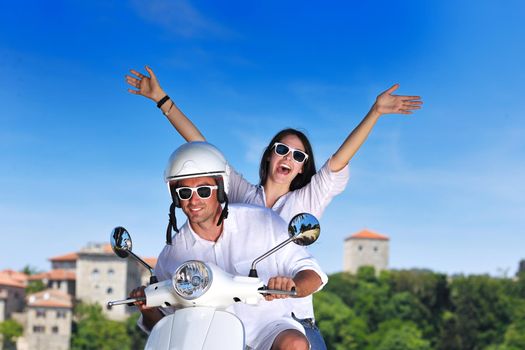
{"x":197,"y":159}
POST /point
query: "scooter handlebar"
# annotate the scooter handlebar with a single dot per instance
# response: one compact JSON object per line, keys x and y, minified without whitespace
{"x":129,"y":302}
{"x":292,"y":293}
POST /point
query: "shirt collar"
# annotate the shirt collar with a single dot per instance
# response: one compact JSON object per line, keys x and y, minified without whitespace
{"x":193,"y":238}
{"x":278,"y":203}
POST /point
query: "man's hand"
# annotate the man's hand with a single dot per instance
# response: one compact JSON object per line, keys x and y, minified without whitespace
{"x":139,"y":293}
{"x":279,"y":283}
{"x":150,"y":316}
{"x":147,"y":86}
{"x":386,"y":103}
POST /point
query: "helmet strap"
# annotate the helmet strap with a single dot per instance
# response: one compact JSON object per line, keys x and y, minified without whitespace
{"x":172,"y":224}
{"x":224,"y":212}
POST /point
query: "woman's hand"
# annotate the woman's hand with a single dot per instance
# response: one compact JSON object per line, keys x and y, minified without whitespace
{"x":146,"y":86}
{"x":386,"y":103}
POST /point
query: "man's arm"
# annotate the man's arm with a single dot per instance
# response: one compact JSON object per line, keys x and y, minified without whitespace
{"x":305,"y":283}
{"x":297,"y":268}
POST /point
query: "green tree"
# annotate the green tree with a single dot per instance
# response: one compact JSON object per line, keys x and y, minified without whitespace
{"x":395,"y":334}
{"x":432,"y":292}
{"x":515,"y":335}
{"x":137,"y":336}
{"x":94,"y":331}
{"x":407,"y":307}
{"x":364,"y":293}
{"x":30,"y":270}
{"x":10,"y":330}
{"x":339,"y":325}
{"x":33,"y":286}
{"x":449,"y":337}
{"x":482,"y":308}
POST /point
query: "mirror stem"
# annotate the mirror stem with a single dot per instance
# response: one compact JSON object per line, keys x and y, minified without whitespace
{"x":253,"y":271}
{"x":150,"y":269}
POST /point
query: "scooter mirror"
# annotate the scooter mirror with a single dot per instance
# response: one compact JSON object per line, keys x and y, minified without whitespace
{"x":121,"y":242}
{"x":304,"y":229}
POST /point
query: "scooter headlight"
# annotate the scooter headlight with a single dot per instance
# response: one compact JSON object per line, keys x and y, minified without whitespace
{"x":192,"y":279}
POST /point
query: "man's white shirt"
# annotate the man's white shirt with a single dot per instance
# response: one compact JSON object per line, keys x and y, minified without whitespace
{"x":248,"y":232}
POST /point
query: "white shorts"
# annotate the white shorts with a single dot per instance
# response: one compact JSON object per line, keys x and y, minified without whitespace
{"x":266,"y":336}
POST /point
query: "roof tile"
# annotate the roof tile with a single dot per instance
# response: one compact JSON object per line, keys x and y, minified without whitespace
{"x":65,"y":257}
{"x":366,"y":234}
{"x":55,"y":275}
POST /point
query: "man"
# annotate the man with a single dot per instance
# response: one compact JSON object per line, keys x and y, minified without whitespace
{"x":232,"y":238}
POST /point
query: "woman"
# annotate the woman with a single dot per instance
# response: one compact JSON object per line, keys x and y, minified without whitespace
{"x":289,"y":183}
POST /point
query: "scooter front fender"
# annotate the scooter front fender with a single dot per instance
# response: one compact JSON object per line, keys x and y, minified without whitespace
{"x":197,"y":328}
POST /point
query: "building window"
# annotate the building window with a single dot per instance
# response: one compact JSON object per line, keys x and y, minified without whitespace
{"x":40,"y":313}
{"x":375,"y":249}
{"x":61,"y":314}
{"x":94,"y":274}
{"x":39,"y":329}
{"x":110,"y":290}
{"x":360,"y":247}
{"x":54,"y":330}
{"x":111,"y":272}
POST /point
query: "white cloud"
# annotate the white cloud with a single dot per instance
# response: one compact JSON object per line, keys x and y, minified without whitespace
{"x":180,"y":17}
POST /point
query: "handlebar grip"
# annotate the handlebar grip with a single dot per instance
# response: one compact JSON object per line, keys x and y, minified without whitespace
{"x":265,"y":290}
{"x":129,"y":302}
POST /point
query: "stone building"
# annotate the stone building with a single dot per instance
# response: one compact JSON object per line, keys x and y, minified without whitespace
{"x":96,"y":275}
{"x":48,"y":321}
{"x":102,"y":276}
{"x":59,"y":279}
{"x":366,"y":248}
{"x":12,"y":293}
{"x":92,"y":275}
{"x":66,"y":262}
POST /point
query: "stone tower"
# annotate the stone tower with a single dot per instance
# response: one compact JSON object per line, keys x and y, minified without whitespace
{"x":365,"y":248}
{"x":102,"y":276}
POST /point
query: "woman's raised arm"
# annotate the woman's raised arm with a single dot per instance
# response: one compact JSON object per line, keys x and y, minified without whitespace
{"x":386,"y":103}
{"x":148,"y":86}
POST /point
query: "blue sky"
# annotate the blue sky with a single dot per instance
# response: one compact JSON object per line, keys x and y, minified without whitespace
{"x":79,"y":155}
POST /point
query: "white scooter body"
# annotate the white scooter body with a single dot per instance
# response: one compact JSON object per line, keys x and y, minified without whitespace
{"x":223,"y":288}
{"x":202,"y":323}
{"x":199,"y":327}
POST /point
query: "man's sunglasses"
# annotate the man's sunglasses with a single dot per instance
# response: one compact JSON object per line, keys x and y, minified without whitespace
{"x":281,"y":149}
{"x":204,"y":191}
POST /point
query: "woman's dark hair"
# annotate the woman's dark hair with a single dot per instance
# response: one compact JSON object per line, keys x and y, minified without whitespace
{"x":309,"y":170}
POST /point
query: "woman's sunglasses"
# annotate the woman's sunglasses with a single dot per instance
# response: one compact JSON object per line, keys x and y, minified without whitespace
{"x":281,"y":149}
{"x":204,"y":191}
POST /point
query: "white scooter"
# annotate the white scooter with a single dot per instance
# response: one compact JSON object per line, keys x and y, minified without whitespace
{"x":202,"y":291}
